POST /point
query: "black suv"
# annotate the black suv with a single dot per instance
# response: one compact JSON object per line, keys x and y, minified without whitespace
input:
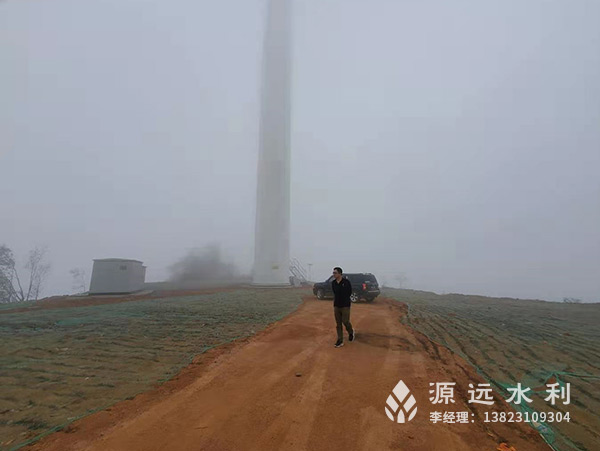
{"x":364,"y":286}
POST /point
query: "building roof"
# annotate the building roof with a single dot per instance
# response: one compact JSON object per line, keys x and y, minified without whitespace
{"x":122,"y":260}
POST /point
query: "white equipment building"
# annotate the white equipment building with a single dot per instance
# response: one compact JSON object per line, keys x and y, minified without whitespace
{"x":117,"y":275}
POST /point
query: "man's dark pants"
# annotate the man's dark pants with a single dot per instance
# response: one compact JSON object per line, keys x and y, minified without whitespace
{"x":342,"y":316}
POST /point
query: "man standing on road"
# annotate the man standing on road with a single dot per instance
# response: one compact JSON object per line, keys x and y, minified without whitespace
{"x":342,"y":289}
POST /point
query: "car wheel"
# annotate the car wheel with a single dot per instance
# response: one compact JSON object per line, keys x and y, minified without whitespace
{"x":320,"y":294}
{"x":370,"y":299}
{"x":354,"y":297}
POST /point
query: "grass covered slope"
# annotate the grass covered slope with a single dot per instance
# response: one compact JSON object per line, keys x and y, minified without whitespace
{"x":514,"y":341}
{"x":60,"y":364}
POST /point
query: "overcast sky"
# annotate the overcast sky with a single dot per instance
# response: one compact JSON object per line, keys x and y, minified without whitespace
{"x":456,"y":142}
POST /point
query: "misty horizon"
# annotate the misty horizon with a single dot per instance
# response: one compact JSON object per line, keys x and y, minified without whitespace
{"x":460,"y":150}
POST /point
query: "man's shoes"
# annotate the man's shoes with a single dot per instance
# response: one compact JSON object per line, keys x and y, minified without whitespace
{"x":339,"y":344}
{"x":352,"y":335}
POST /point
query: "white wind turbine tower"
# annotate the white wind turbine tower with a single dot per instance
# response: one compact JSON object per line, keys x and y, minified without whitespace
{"x":272,"y":232}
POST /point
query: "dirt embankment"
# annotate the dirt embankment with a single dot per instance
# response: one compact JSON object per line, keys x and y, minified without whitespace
{"x":57,"y":302}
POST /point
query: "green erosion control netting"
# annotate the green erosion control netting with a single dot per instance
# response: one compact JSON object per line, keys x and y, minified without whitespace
{"x":59,"y":365}
{"x":510,"y":341}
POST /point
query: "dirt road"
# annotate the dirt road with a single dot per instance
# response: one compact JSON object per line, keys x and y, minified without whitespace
{"x":289,"y":388}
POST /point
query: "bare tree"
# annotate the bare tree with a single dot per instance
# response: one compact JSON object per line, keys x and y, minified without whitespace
{"x":38,"y":271}
{"x":78,"y":279}
{"x":12,"y":288}
{"x":400,"y":279}
{"x":10,"y":284}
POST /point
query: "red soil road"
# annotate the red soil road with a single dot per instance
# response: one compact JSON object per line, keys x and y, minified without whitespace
{"x":246,"y":395}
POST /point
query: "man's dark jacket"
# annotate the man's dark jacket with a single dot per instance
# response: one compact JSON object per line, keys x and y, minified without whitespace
{"x":341,"y":293}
